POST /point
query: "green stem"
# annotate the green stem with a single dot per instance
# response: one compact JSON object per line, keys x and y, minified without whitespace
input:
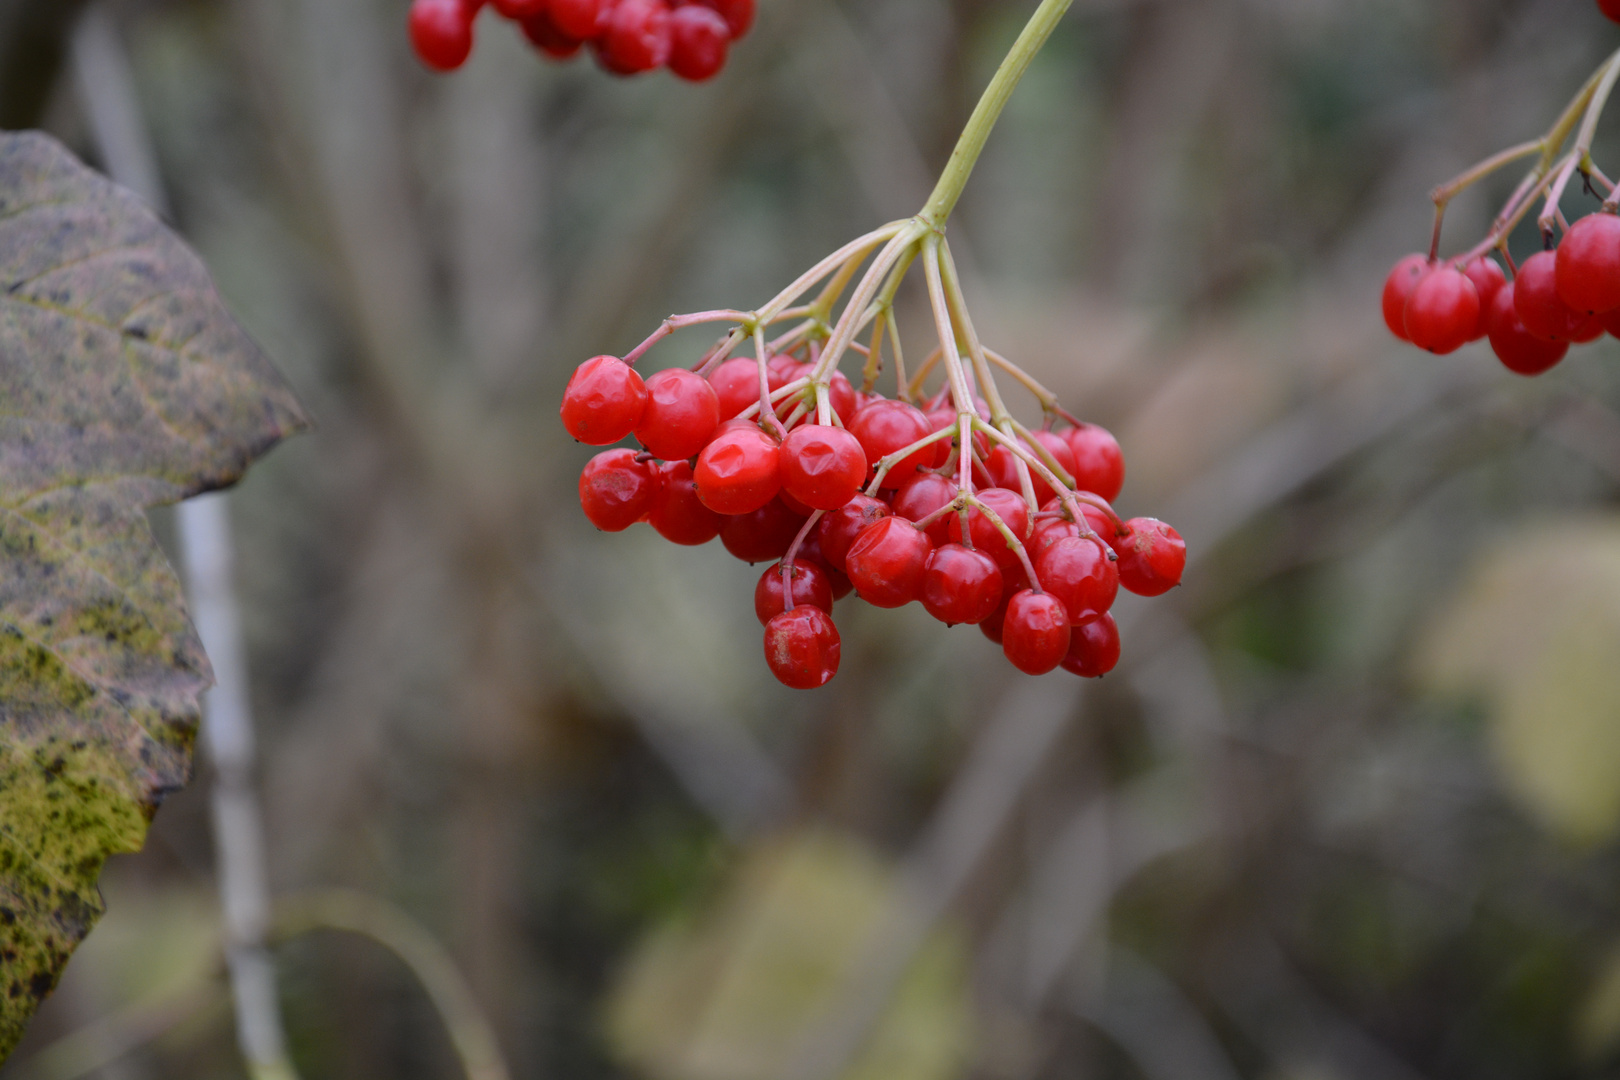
{"x":971,"y":144}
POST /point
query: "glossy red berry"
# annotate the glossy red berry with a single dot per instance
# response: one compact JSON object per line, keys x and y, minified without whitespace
{"x":739,"y":471}
{"x":1443,"y":311}
{"x":1397,"y":290}
{"x":682,"y":413}
{"x":922,"y":495}
{"x":677,"y":513}
{"x":839,"y":529}
{"x":1003,"y":464}
{"x":886,"y":562}
{"x":699,"y":40}
{"x":763,"y":535}
{"x":822,"y":467}
{"x":1520,"y":351}
{"x":802,"y":647}
{"x":1014,"y":513}
{"x":1151,"y":557}
{"x":1035,"y":632}
{"x":1488,"y":278}
{"x":1013,"y":582}
{"x":580,"y":19}
{"x":545,"y":35}
{"x":960,"y":585}
{"x":884,"y":427}
{"x":616,"y":490}
{"x":736,"y":384}
{"x":811,"y":585}
{"x":840,"y":394}
{"x":442,"y":32}
{"x":810,"y":552}
{"x":1098,"y":462}
{"x":1587,"y":264}
{"x":518,"y":9}
{"x":1093,"y":647}
{"x":637,"y":38}
{"x":604,"y":402}
{"x":1079,"y":571}
{"x":1535,"y":297}
{"x":739,"y":14}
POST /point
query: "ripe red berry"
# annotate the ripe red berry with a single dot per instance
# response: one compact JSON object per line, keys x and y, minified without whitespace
{"x":839,"y":529}
{"x":1488,"y":278}
{"x":960,"y":585}
{"x":616,"y":490}
{"x":1151,"y":557}
{"x":518,"y":9}
{"x":1049,"y":531}
{"x":1003,"y":464}
{"x":1397,"y":290}
{"x":1520,"y":351}
{"x":763,"y":535}
{"x":884,"y":427}
{"x":886,"y":563}
{"x":810,"y":586}
{"x":739,"y":14}
{"x":802,"y":647}
{"x":581,"y":20}
{"x":699,"y":39}
{"x":544,"y":34}
{"x":1093,"y":647}
{"x":637,"y":37}
{"x":1078,"y":571}
{"x":739,"y":471}
{"x":810,"y":553}
{"x":1442,"y":311}
{"x":1587,"y":265}
{"x":736,"y":383}
{"x":1035,"y":632}
{"x":840,"y":393}
{"x":1611,"y":8}
{"x":920,"y":496}
{"x":441,"y":32}
{"x":682,"y":413}
{"x":1099,"y":466}
{"x":604,"y":402}
{"x":1535,"y":297}
{"x":822,"y":467}
{"x":677,"y":513}
{"x":1014,"y":513}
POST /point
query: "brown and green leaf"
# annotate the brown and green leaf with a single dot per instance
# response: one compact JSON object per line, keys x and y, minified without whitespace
{"x":124,"y":385}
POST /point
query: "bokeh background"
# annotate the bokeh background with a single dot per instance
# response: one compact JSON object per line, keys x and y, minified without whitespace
{"x":1348,"y":809}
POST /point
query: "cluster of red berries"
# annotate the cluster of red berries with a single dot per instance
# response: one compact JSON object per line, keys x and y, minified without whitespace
{"x":791,"y":489}
{"x":690,"y":37}
{"x":1560,"y":297}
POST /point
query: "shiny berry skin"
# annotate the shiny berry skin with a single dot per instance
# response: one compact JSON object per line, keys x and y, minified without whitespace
{"x":1035,"y":632}
{"x":1013,"y":582}
{"x":1397,"y":290}
{"x":699,"y":40}
{"x":739,"y":471}
{"x":810,"y":553}
{"x":637,"y":37}
{"x":442,"y":33}
{"x":1093,"y":647}
{"x":677,"y":513}
{"x":920,"y":496}
{"x":840,"y":393}
{"x":839,"y":529}
{"x":1047,"y":532}
{"x":1011,"y":508}
{"x":1520,"y":351}
{"x":802,"y":648}
{"x":1099,"y":465}
{"x":884,"y":427}
{"x":544,"y":35}
{"x":1488,"y":278}
{"x":739,"y":14}
{"x":960,"y":585}
{"x":1003,"y":465}
{"x":811,"y":585}
{"x":762,"y":536}
{"x":1443,"y":311}
{"x":1151,"y":557}
{"x":682,"y":413}
{"x":822,"y":467}
{"x":887,"y":561}
{"x":518,"y":9}
{"x":616,"y":490}
{"x":1541,"y":310}
{"x":1078,"y":571}
{"x":1587,"y":264}
{"x":604,"y":402}
{"x":580,"y":19}
{"x":736,"y":383}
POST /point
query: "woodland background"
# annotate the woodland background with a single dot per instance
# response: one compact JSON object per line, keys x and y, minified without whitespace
{"x":1348,"y":809}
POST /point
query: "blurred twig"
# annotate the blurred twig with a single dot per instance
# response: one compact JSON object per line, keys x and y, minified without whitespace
{"x":98,"y":1045}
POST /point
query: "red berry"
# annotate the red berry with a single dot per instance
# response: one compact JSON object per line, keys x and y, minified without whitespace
{"x":677,"y":513}
{"x":1397,"y":290}
{"x":1442,"y":311}
{"x":604,"y":402}
{"x":1035,"y":632}
{"x":581,"y":20}
{"x":544,"y":35}
{"x":1099,"y":465}
{"x":886,"y":563}
{"x":923,"y":494}
{"x":739,"y":471}
{"x":1013,"y":582}
{"x":1048,"y":532}
{"x":637,"y":37}
{"x":810,"y":586}
{"x":1611,"y":8}
{"x":682,"y":413}
{"x":822,"y":467}
{"x":1078,"y":571}
{"x":802,"y":647}
{"x":699,"y":38}
{"x":519,"y":9}
{"x":960,"y":585}
{"x":884,"y":427}
{"x":1520,"y":351}
{"x":1535,"y":297}
{"x":839,"y":529}
{"x":616,"y":490}
{"x":840,"y":394}
{"x":441,"y":32}
{"x":1093,"y":647}
{"x":736,"y":382}
{"x":1587,"y":330}
{"x":1587,"y":265}
{"x":1151,"y":557}
{"x":1014,"y":513}
{"x":763,"y":535}
{"x":1488,"y":278}
{"x":739,"y":14}
{"x":1003,"y":464}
